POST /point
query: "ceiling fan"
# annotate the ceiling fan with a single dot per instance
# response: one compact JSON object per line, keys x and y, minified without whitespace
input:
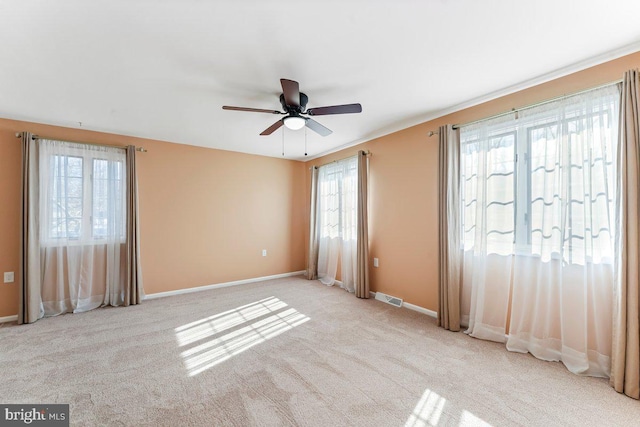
{"x":296,"y":115}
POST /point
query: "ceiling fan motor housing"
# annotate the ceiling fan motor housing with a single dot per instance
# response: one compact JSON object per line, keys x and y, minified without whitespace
{"x":295,"y":109}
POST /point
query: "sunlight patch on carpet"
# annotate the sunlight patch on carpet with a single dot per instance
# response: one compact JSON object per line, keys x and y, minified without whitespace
{"x":269,"y":318}
{"x":209,"y":326}
{"x":469,"y":420}
{"x":428,"y":410}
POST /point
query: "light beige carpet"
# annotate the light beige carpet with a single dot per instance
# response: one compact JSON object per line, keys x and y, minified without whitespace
{"x":288,"y":352}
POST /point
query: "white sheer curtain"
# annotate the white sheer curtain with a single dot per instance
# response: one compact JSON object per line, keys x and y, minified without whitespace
{"x":487,"y":227}
{"x":562,"y":297}
{"x":337,"y":222}
{"x":82,"y":226}
{"x":538,"y":229}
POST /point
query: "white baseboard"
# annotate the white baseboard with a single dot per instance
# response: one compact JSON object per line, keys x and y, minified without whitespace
{"x":220,"y":285}
{"x":422,"y":310}
{"x":8,"y":319}
{"x":414,"y":307}
{"x":409,"y":306}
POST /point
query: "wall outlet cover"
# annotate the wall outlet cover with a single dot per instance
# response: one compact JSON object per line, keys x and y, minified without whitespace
{"x":8,"y":277}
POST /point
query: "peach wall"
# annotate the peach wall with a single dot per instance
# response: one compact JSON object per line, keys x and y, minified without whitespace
{"x":403,"y":213}
{"x":206,"y":214}
{"x":10,"y":164}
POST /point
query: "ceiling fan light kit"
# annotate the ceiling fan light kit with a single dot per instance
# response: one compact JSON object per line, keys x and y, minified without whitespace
{"x":294,"y":104}
{"x":294,"y":122}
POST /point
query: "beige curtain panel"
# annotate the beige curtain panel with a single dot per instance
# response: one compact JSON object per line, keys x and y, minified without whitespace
{"x":449,"y":228}
{"x":133,"y":290}
{"x":312,"y":253}
{"x":625,"y":359}
{"x":30,"y":300}
{"x":362,"y":256}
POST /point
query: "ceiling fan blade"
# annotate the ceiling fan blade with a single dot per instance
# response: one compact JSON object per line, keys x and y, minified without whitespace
{"x":252,"y":110}
{"x":318,"y":128}
{"x":291,"y":91}
{"x":335,"y":109}
{"x":272,"y":128}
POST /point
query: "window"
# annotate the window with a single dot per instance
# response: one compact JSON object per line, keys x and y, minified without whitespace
{"x":542,"y":183}
{"x":85,"y":191}
{"x":337,"y":199}
{"x":108,"y":197}
{"x":66,"y":197}
{"x":337,"y":222}
{"x":489,"y":177}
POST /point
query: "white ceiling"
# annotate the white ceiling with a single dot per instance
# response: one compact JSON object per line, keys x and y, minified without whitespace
{"x":162,"y":69}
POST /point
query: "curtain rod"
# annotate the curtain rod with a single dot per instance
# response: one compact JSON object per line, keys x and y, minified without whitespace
{"x":34,"y":137}
{"x":537,"y":104}
{"x":366,"y":153}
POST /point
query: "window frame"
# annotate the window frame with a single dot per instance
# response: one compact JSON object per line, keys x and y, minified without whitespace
{"x":336,"y":173}
{"x":86,"y":235}
{"x":523,"y":151}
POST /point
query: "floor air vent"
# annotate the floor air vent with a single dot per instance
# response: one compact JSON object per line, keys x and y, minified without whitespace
{"x":389,"y":299}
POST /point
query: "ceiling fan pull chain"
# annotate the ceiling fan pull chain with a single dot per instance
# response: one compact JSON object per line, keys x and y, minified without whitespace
{"x":305,"y":140}
{"x":283,"y":142}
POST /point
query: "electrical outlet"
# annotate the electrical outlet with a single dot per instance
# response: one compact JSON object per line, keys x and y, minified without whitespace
{"x":8,"y":277}
{"x":264,"y":252}
{"x":375,"y":262}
